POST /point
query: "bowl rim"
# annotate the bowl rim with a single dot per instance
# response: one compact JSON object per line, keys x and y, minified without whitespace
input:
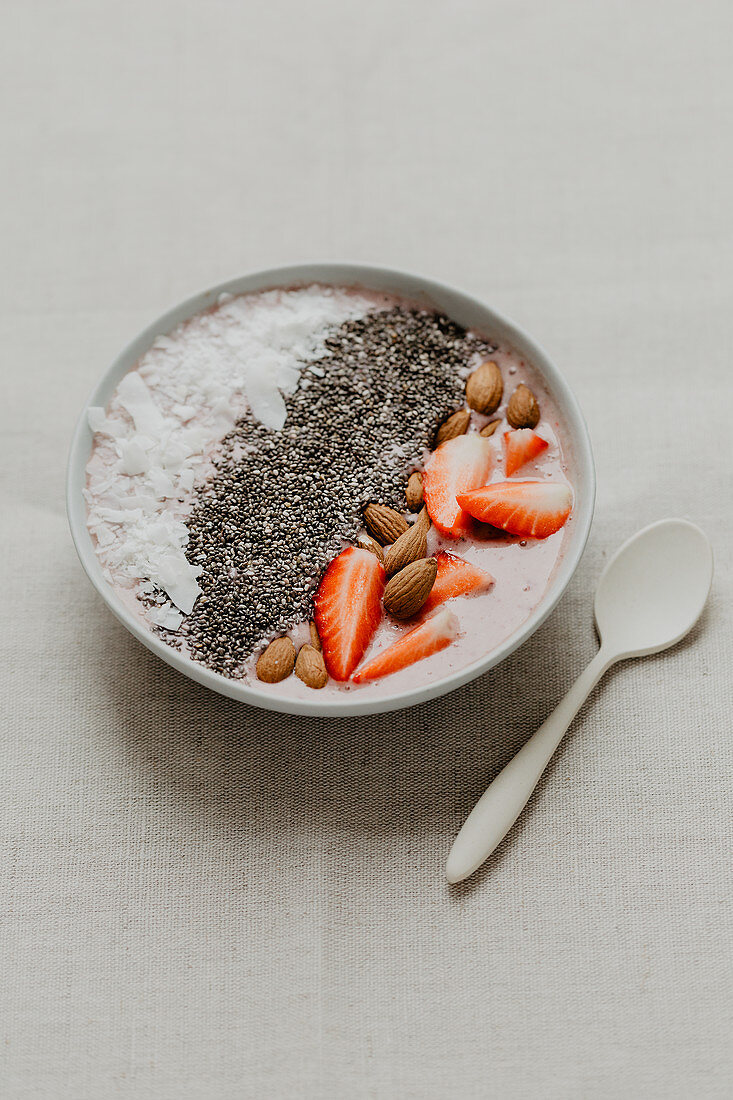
{"x":343,"y":273}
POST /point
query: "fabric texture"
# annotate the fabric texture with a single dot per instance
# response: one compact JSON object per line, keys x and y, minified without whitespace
{"x":198,"y":899}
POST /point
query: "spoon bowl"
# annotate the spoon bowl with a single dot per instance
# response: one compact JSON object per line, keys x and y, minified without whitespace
{"x":653,"y":589}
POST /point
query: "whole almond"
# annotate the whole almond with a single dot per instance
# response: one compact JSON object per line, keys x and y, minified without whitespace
{"x":456,"y":424}
{"x":490,"y":428}
{"x":410,"y":546}
{"x":310,"y":667}
{"x":384,"y":523}
{"x":315,"y":640}
{"x":413,"y":492}
{"x":408,"y":590}
{"x":371,"y":544}
{"x":276,"y":663}
{"x":523,"y":410}
{"x":485,"y":387}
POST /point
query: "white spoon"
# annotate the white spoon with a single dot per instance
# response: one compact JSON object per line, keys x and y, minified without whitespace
{"x":649,"y":596}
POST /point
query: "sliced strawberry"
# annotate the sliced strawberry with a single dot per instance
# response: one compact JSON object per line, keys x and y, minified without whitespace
{"x":456,"y":577}
{"x":455,"y":467}
{"x":522,"y":446}
{"x":347,"y":609}
{"x":533,"y":508}
{"x":429,"y":637}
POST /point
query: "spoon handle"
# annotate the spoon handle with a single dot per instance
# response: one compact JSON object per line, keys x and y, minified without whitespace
{"x":501,"y":804}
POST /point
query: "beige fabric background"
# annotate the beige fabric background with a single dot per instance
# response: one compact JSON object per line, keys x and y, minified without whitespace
{"x":200,"y":900}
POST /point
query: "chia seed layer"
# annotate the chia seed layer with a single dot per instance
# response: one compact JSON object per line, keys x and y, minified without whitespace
{"x":280,"y":505}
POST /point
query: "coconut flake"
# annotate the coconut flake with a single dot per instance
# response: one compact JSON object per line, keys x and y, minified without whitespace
{"x":168,"y":414}
{"x":184,"y":412}
{"x":161,"y":483}
{"x":103,"y":424}
{"x":133,"y":459}
{"x":165,"y":616}
{"x":178,"y":578}
{"x":96,"y":418}
{"x":134,"y":395}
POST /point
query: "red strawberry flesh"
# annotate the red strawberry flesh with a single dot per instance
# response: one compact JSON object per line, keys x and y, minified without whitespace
{"x":522,"y":446}
{"x":456,"y":577}
{"x":455,"y":467}
{"x":348,"y":608}
{"x":534,"y":509}
{"x":422,"y":641}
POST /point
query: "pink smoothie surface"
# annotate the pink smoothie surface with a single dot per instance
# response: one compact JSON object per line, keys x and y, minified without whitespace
{"x":521,"y":568}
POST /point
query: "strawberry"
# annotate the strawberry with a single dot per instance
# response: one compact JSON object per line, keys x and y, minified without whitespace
{"x":429,"y":637}
{"x":347,"y":609}
{"x":456,"y":577}
{"x":521,"y":446}
{"x":533,"y":508}
{"x":455,"y":467}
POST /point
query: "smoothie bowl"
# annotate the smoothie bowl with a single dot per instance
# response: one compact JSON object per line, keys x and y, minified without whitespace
{"x":331,"y":488}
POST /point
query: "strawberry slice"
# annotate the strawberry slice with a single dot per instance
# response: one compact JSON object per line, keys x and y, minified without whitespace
{"x":456,"y":577}
{"x":429,"y":637}
{"x":455,"y":467}
{"x":533,"y":508}
{"x":347,"y":609}
{"x":522,"y":446}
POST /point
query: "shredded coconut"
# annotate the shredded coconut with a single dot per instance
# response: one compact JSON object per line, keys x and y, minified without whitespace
{"x":155,"y":439}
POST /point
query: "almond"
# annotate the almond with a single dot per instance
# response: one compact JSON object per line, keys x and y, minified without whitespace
{"x":371,"y":544}
{"x":315,"y":640}
{"x":410,"y":546}
{"x":490,"y":428}
{"x":485,"y":387}
{"x":408,"y":590}
{"x":456,"y":424}
{"x":413,"y":492}
{"x":276,"y":663}
{"x":310,"y":667}
{"x":384,"y":523}
{"x":523,"y":410}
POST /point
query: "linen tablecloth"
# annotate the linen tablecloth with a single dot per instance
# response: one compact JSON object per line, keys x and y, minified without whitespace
{"x":198,"y":899}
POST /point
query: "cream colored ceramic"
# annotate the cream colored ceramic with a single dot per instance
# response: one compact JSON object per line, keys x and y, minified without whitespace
{"x":650,"y":595}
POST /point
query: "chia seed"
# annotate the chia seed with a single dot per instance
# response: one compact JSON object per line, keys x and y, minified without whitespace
{"x":281,"y":505}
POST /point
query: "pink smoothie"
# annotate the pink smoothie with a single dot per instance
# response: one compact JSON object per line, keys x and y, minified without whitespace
{"x":522,"y":568}
{"x":155,"y":444}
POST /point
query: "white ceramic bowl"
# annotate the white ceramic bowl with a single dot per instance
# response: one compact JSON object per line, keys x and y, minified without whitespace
{"x":466,"y":311}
